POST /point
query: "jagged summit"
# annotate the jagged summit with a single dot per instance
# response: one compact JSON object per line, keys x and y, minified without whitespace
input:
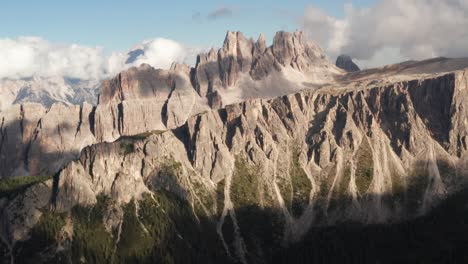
{"x":241,"y":69}
{"x":378,"y":146}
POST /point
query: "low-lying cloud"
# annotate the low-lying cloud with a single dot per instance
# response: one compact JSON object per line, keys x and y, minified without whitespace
{"x":159,"y":53}
{"x":404,"y":29}
{"x":33,"y":56}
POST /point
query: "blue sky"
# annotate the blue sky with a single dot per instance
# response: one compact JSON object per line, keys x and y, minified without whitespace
{"x":119,"y":24}
{"x":373,"y":32}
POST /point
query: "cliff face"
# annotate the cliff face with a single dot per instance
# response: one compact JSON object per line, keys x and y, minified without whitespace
{"x":146,"y":99}
{"x":37,"y":141}
{"x":378,"y":154}
{"x":244,"y":69}
{"x":153,"y":170}
{"x":359,"y":145}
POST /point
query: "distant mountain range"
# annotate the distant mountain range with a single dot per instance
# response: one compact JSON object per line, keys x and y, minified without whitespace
{"x":47,"y":91}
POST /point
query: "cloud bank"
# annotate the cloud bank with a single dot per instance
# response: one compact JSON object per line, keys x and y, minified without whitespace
{"x":159,"y":53}
{"x":33,"y":56}
{"x":393,"y":30}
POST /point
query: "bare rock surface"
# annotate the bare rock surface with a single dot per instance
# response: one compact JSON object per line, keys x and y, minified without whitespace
{"x":380,"y":154}
{"x":346,"y":63}
{"x":376,"y":146}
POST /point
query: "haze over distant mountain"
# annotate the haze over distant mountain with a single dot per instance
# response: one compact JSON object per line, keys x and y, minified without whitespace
{"x":47,"y":91}
{"x":46,"y":73}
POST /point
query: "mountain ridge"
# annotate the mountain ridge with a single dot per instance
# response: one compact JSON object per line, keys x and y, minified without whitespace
{"x":375,"y":147}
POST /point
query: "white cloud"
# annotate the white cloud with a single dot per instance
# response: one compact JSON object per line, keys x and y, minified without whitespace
{"x":34,"y":56}
{"x":416,"y":29}
{"x":159,"y":53}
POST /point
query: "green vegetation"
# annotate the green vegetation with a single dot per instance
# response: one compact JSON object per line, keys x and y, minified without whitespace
{"x":12,"y":186}
{"x":143,"y":136}
{"x":301,"y":186}
{"x":135,"y":242}
{"x":261,"y":228}
{"x":340,"y":196}
{"x":342,"y":190}
{"x":440,"y":237}
{"x":326,"y":181}
{"x":398,"y":188}
{"x":166,"y":231}
{"x":91,"y":241}
{"x":268,"y":196}
{"x":295,"y":192}
{"x":171,"y":168}
{"x":447,"y":171}
{"x":245,"y":184}
{"x":364,"y":167}
{"x":45,"y":233}
{"x":127,"y":147}
{"x":324,"y":189}
{"x":49,"y":226}
{"x":417,"y":184}
{"x":220,"y":197}
{"x":163,"y":231}
{"x":207,"y":200}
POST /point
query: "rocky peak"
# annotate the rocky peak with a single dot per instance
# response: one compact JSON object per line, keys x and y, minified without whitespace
{"x":259,"y":46}
{"x":204,"y":58}
{"x":346,"y":63}
{"x":228,"y":74}
{"x":236,"y":44}
{"x":180,"y":68}
{"x":137,"y":82}
{"x":143,"y":98}
{"x":372,"y":155}
{"x":235,"y":56}
{"x":289,"y":47}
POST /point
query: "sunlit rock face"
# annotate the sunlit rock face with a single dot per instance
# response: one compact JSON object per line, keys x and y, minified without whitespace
{"x":145,"y":99}
{"x":154,"y":164}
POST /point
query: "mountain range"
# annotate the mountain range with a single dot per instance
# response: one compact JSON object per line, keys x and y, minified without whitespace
{"x":257,"y":154}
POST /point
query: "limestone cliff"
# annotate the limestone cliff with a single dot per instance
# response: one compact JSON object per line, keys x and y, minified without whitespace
{"x":377,"y":154}
{"x":152,"y":170}
{"x":146,"y":99}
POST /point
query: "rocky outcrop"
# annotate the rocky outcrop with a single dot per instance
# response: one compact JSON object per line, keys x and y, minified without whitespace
{"x":244,"y":69}
{"x":145,"y":99}
{"x":36,"y":141}
{"x":372,"y":147}
{"x":346,"y":63}
{"x":378,"y":154}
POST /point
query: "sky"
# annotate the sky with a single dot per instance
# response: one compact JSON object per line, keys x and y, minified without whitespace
{"x":92,"y":38}
{"x":120,"y":24}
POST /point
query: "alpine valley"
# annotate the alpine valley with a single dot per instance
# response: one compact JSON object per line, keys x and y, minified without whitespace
{"x":257,"y":154}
